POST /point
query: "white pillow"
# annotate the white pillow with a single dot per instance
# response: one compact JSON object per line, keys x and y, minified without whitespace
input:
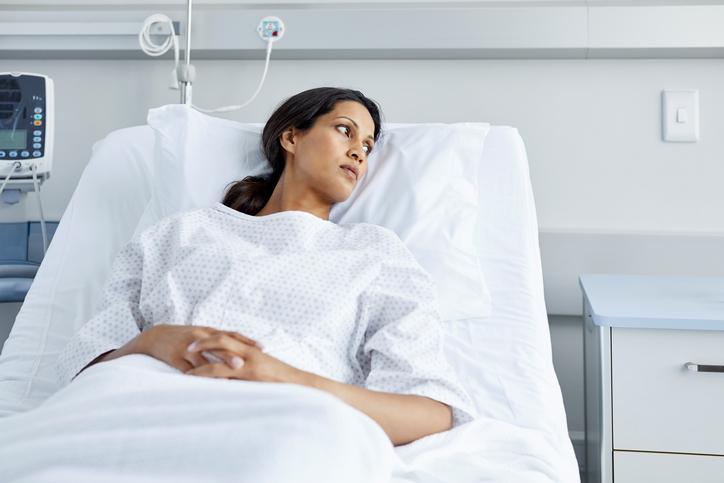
{"x":196,"y":157}
{"x":421,"y":182}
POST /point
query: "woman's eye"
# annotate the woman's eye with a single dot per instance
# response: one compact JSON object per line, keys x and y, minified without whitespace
{"x":367,"y":150}
{"x":345,"y":128}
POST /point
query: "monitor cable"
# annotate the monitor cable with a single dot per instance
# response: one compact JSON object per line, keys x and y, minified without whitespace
{"x":34,"y":168}
{"x":16,"y":165}
{"x":271,"y":29}
{"x":234,"y":108}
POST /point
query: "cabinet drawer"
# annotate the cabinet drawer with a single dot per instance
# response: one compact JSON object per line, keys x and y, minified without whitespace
{"x":666,"y":468}
{"x":660,"y":405}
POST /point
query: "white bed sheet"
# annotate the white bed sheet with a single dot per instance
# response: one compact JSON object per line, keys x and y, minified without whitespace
{"x":504,"y":361}
{"x":138,"y":419}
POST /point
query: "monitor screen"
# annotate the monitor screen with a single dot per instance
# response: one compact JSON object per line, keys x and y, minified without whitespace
{"x":13,"y":139}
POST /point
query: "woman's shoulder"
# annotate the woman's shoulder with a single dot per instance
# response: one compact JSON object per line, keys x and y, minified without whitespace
{"x":171,"y":223}
{"x":368,"y":236}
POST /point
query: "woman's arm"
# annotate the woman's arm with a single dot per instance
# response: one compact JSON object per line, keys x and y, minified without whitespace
{"x":168,"y":343}
{"x":403,"y":351}
{"x":404,"y":418}
{"x":133,"y":346}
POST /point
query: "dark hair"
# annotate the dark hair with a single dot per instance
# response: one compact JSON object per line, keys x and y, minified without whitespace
{"x":300,"y":111}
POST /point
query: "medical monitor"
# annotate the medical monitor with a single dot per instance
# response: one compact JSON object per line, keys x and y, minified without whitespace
{"x":26,"y":125}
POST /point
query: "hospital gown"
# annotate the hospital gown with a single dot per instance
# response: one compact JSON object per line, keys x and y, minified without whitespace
{"x":346,"y":302}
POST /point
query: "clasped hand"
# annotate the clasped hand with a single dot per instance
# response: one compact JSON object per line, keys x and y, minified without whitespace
{"x":207,"y":352}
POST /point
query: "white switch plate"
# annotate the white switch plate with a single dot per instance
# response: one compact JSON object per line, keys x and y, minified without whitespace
{"x":673,"y":129}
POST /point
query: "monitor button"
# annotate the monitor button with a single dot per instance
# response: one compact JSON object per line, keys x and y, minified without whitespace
{"x":38,"y":123}
{"x":37,"y":146}
{"x":37,"y":139}
{"x":38,"y":116}
{"x":37,"y":133}
{"x":38,"y":110}
{"x":13,"y":154}
{"x":25,"y":154}
{"x":37,"y":154}
{"x":2,"y":154}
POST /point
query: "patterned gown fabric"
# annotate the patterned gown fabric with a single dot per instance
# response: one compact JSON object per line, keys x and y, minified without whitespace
{"x":346,"y":302}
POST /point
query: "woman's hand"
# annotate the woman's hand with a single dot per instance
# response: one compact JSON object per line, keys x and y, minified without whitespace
{"x":404,"y":417}
{"x":169,"y":343}
{"x":241,"y":360}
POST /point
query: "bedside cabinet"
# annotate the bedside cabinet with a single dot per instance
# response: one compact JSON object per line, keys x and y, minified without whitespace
{"x":654,"y":377}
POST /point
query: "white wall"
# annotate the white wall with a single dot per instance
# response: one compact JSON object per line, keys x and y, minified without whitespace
{"x":182,"y":3}
{"x":592,"y":130}
{"x":592,"y":127}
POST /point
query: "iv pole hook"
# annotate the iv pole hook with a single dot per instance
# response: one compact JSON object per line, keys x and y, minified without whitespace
{"x":186,"y":73}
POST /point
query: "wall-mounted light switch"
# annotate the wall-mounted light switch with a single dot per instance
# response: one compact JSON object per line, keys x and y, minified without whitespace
{"x":680,"y":115}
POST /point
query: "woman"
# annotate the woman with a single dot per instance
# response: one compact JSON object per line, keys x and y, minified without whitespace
{"x":265,"y":288}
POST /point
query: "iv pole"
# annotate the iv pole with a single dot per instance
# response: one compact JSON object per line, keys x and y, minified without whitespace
{"x":186,"y":73}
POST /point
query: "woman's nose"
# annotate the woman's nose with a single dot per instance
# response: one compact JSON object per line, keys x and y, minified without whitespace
{"x":356,"y":153}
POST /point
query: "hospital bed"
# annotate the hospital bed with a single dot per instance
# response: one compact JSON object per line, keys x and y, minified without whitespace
{"x":503,"y":360}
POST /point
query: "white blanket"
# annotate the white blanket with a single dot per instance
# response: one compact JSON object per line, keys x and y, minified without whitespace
{"x":138,"y":419}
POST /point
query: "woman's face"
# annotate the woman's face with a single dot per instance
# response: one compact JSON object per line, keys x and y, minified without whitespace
{"x":331,"y":158}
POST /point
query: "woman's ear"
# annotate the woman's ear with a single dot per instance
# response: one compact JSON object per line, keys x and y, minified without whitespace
{"x":288,"y":140}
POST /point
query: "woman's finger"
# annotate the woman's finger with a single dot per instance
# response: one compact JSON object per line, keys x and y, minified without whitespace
{"x":195,"y":359}
{"x":245,"y":339}
{"x":182,"y":365}
{"x":205,"y":371}
{"x":224,"y":357}
{"x":216,"y":370}
{"x":222,"y":342}
{"x":211,"y":357}
{"x":201,"y":353}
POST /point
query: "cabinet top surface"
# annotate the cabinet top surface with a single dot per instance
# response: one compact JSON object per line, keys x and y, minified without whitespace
{"x":654,"y":301}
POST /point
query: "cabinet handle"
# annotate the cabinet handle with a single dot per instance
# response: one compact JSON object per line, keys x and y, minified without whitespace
{"x":702,"y":368}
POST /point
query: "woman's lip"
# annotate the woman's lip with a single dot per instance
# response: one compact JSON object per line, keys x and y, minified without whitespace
{"x":349,"y":172}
